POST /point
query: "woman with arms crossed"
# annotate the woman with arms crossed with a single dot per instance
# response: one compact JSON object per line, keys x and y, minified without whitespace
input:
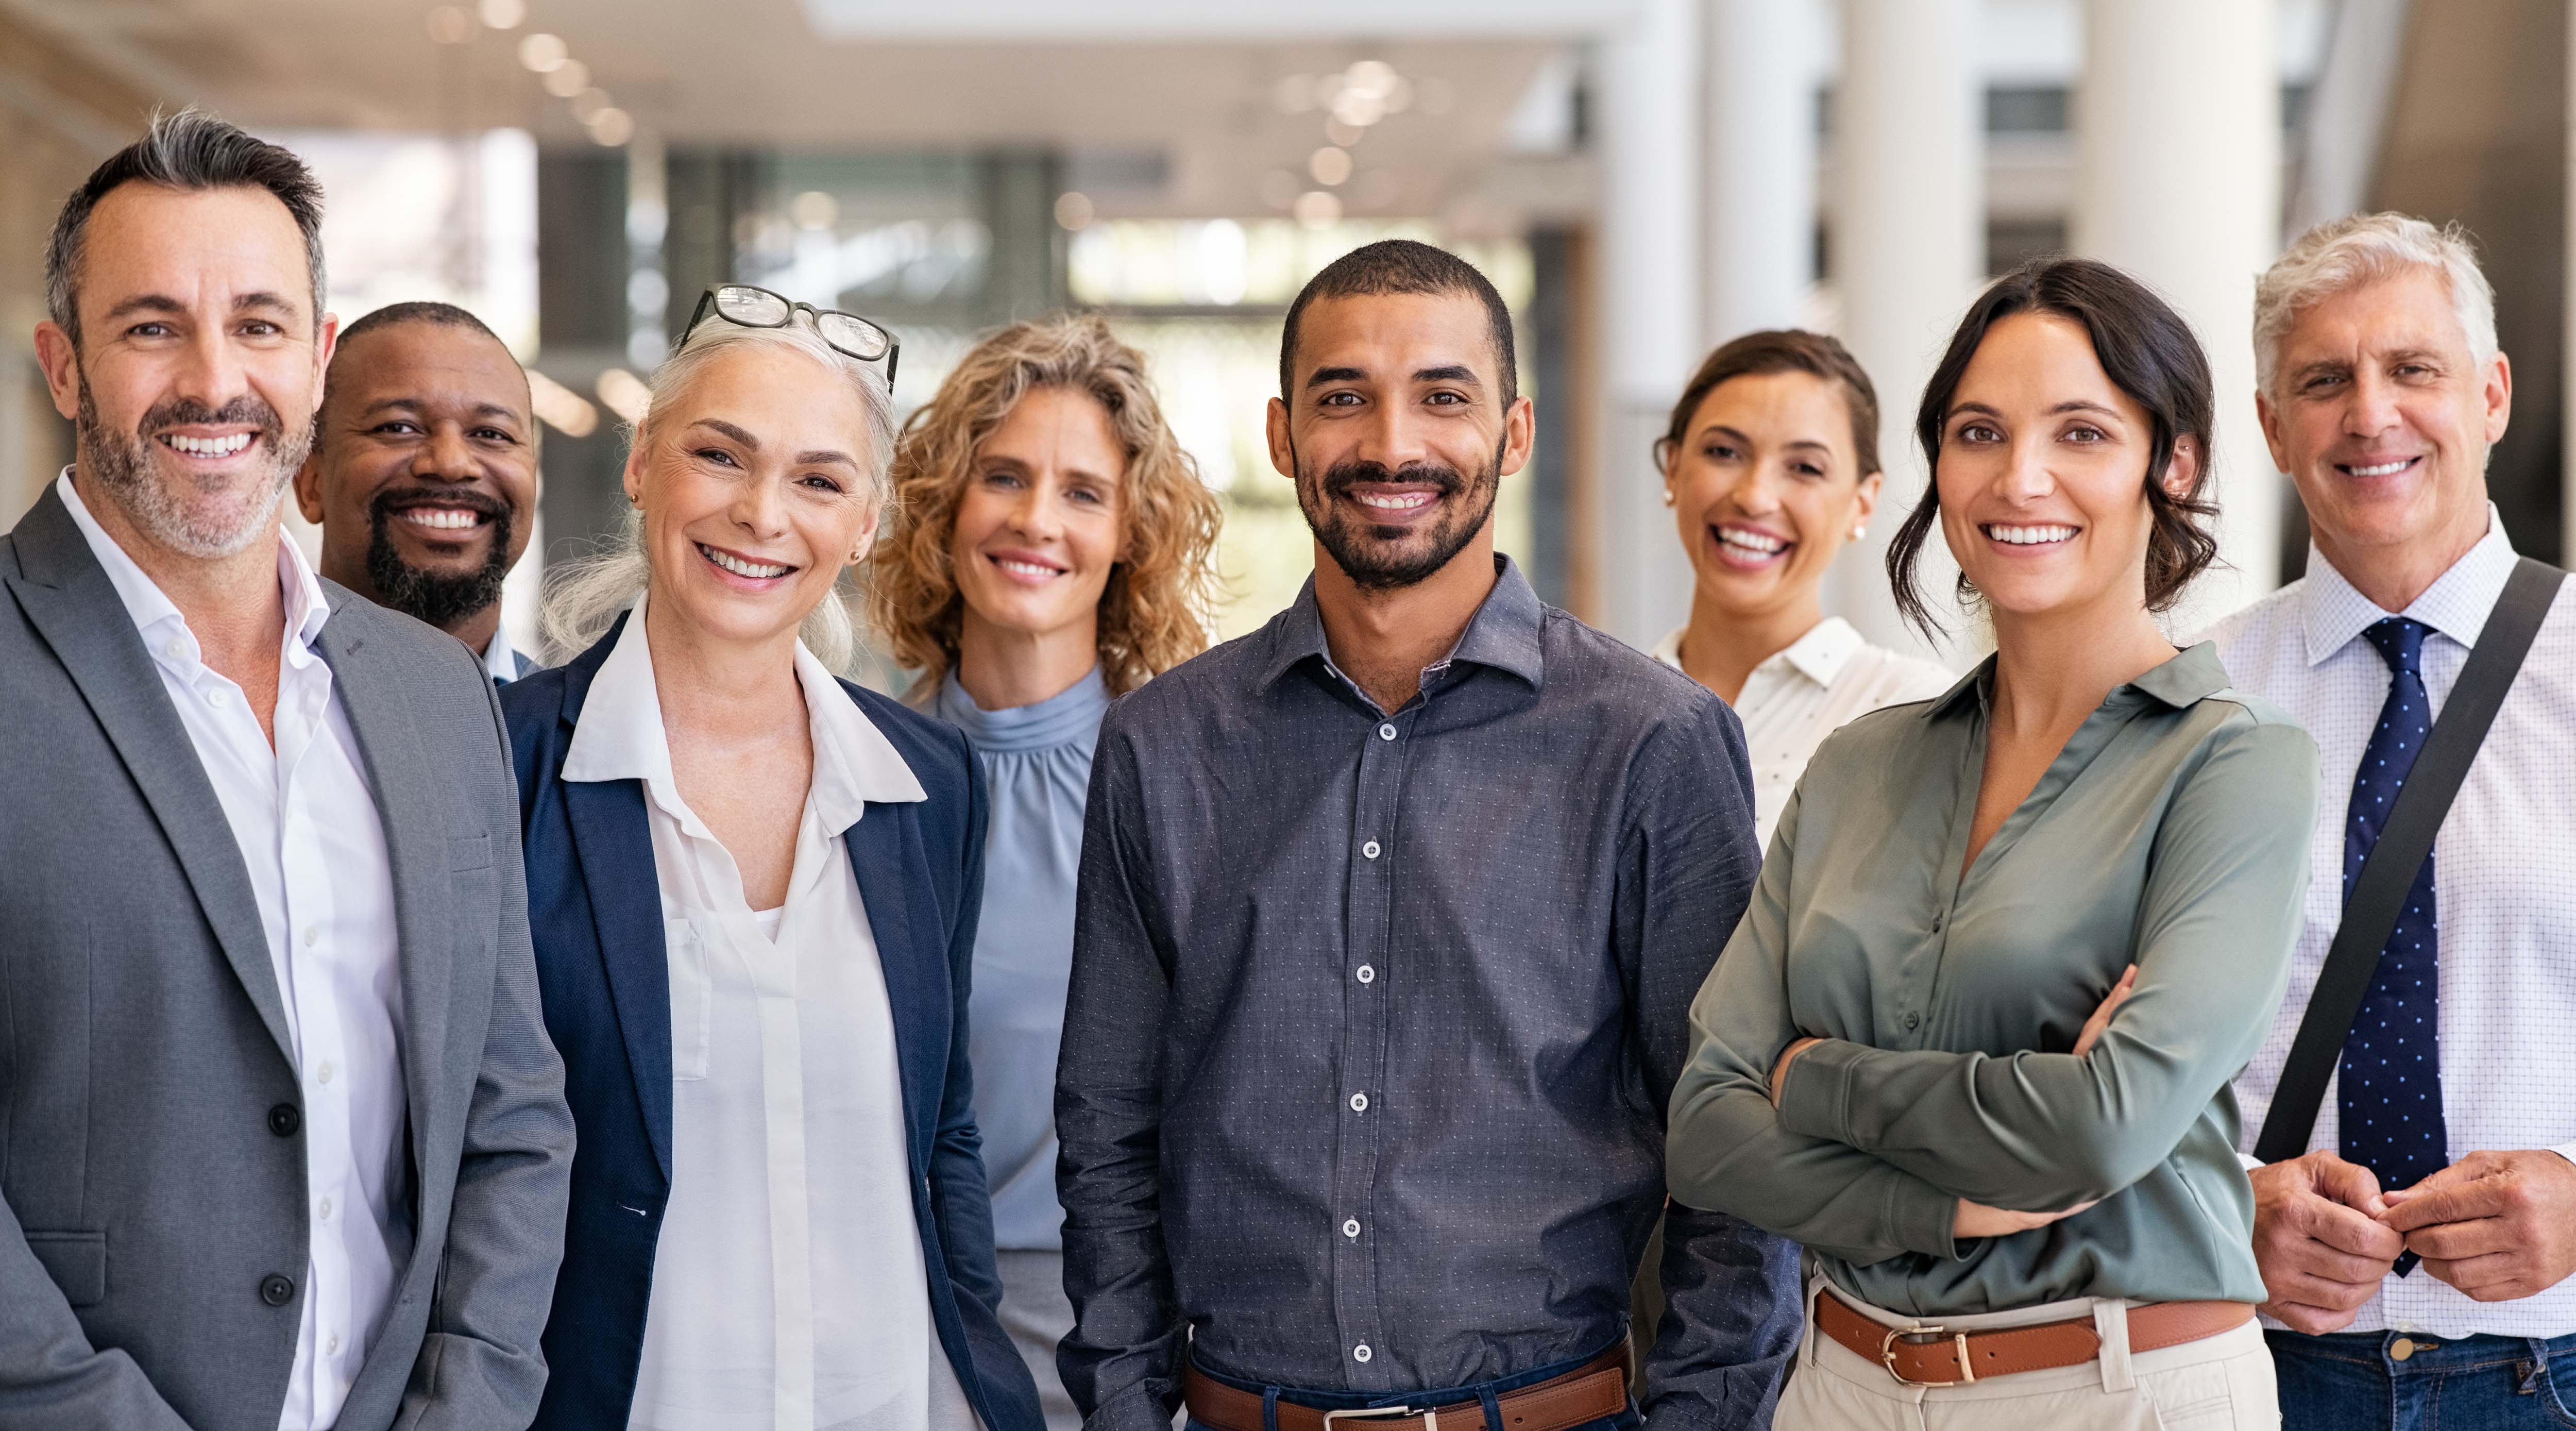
{"x":754,"y":891}
{"x":1050,"y":550}
{"x":1972,"y":1041}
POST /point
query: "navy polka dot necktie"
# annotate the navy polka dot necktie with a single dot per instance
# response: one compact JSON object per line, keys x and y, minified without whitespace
{"x":2389,"y":1094}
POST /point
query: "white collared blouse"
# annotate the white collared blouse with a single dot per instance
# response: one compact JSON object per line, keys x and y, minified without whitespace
{"x":313,"y":844}
{"x":1801,"y":693}
{"x":2502,"y":869}
{"x":788,"y":1287}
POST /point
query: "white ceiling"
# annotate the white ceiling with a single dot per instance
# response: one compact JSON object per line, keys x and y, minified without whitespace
{"x":1193,"y":80}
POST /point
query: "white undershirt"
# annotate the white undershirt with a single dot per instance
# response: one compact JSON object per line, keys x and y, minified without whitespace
{"x":2503,"y":867}
{"x":1802,"y":693}
{"x":305,"y":818}
{"x":788,"y":1286}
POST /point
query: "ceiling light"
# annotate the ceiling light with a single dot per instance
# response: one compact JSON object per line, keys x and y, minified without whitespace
{"x":1344,"y":135}
{"x":1329,"y":165}
{"x":1317,"y":209}
{"x":611,"y":127}
{"x":588,"y":104}
{"x":561,"y":408}
{"x":625,"y":394}
{"x":451,"y":24}
{"x":542,"y":52}
{"x":814,"y":209}
{"x":567,"y":79}
{"x":1073,"y":211}
{"x":1359,"y":107}
{"x":502,"y":14}
{"x":1370,"y":77}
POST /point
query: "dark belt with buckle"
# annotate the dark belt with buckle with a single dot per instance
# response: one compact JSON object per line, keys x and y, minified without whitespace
{"x":1591,"y":1392}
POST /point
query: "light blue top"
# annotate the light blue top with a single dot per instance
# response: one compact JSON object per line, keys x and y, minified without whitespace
{"x":1037,"y":769}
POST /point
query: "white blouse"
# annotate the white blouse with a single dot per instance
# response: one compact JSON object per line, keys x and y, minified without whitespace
{"x":1797,"y":696}
{"x":788,"y":1286}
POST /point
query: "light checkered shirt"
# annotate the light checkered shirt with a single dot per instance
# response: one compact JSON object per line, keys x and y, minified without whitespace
{"x":2505,"y":870}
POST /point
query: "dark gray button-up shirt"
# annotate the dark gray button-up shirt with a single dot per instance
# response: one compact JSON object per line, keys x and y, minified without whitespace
{"x":1374,"y":1018}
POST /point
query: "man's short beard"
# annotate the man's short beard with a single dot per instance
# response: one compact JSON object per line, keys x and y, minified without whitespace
{"x":196,"y":524}
{"x":1368,"y":553}
{"x":428,"y":596}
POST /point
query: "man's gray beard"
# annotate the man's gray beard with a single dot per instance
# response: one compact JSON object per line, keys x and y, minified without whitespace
{"x":123,"y":465}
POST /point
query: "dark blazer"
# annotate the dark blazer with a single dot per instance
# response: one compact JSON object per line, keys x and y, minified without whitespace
{"x":595,"y":907}
{"x":153,"y":1209}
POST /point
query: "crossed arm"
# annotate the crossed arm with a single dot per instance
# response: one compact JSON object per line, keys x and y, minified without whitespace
{"x":1877,"y":1151}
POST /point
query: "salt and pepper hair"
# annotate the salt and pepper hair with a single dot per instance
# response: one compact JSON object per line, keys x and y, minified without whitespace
{"x":2345,"y":253}
{"x":584,"y":600}
{"x":193,"y":152}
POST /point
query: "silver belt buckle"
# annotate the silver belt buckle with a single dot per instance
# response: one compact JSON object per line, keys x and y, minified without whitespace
{"x":1430,"y":1418}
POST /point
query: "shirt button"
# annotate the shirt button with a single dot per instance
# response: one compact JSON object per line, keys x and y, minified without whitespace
{"x":312,"y":935}
{"x":1361,"y":1352}
{"x":326,"y":1209}
{"x":1369,"y":850}
{"x":177,"y":650}
{"x":1366,"y":974}
{"x":215,"y":699}
{"x":1912,"y":1019}
{"x":1936,"y":924}
{"x":1359,"y":1103}
{"x":332,"y":1345}
{"x":1386,"y":732}
{"x":323,"y":1073}
{"x":1351,"y":1228}
{"x":275,"y":1290}
{"x":283,"y":1120}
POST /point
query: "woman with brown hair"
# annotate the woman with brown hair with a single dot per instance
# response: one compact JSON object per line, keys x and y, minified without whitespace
{"x":1052,"y":548}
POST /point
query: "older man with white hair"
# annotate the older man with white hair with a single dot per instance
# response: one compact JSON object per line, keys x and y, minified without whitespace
{"x":2413,"y":1101}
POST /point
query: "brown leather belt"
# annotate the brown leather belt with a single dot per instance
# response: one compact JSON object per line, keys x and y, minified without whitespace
{"x":1590,"y":1392}
{"x":1936,"y":1356}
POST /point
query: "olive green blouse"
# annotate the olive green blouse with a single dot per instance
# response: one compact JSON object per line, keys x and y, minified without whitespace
{"x":2171,"y":832}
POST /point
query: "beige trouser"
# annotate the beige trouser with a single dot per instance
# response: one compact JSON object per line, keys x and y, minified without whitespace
{"x":2220,"y":1383}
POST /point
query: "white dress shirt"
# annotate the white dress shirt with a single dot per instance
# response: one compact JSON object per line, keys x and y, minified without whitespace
{"x":2503,"y":866}
{"x":1798,"y":695}
{"x":500,"y":661}
{"x":788,"y":1288}
{"x":306,"y":820}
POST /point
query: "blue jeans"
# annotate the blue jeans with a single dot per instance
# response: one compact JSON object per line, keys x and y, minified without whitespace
{"x":1627,"y":1420}
{"x":2349,"y":1382}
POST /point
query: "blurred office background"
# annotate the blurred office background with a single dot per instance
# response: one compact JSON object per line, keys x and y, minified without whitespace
{"x":1642,"y":178}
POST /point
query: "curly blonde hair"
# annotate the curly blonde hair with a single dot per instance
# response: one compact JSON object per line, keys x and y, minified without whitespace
{"x":1155,"y":612}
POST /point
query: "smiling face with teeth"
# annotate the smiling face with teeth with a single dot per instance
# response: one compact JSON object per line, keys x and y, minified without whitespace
{"x":2383,"y":419}
{"x":2042,"y":477}
{"x":1767,"y":487}
{"x":1399,"y":436}
{"x":752,"y":493}
{"x":198,"y":370}
{"x":1039,"y":527}
{"x":423,"y":475}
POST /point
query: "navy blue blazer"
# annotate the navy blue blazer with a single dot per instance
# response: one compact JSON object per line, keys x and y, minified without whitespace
{"x":595,"y":909}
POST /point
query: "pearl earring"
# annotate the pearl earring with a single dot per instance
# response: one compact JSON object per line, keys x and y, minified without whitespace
{"x":1859,"y":532}
{"x":1668,"y":496}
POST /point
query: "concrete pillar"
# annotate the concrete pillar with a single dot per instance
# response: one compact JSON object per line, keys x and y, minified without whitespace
{"x":1906,"y":250}
{"x":2178,"y":163}
{"x":1761,"y":194}
{"x":1649,"y":256}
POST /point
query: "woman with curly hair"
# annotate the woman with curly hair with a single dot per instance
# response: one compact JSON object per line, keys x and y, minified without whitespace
{"x":1051,"y":549}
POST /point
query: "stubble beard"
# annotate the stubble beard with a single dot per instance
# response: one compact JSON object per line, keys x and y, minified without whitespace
{"x":208,"y":518}
{"x":1381,"y":558}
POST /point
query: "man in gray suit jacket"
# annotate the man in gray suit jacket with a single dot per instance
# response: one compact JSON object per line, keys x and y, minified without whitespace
{"x":283,"y":1145}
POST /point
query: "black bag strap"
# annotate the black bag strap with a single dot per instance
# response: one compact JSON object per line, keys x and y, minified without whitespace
{"x":2379,"y":893}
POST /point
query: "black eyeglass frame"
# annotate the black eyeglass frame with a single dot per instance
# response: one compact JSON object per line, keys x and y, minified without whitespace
{"x":707,"y":303}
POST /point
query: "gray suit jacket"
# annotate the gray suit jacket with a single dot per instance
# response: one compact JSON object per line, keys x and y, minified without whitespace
{"x":151,"y":1159}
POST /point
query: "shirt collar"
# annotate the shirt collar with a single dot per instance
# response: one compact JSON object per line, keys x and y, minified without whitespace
{"x":1821,"y":654}
{"x":500,"y":660}
{"x":1503,"y":634}
{"x":620,"y":736}
{"x":2332,"y":611}
{"x":2192,"y":675}
{"x":308,"y":608}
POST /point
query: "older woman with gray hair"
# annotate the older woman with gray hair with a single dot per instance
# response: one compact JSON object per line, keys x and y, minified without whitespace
{"x":753,"y":889}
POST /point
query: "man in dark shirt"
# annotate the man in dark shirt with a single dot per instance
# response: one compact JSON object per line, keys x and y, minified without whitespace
{"x":1390,"y":917}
